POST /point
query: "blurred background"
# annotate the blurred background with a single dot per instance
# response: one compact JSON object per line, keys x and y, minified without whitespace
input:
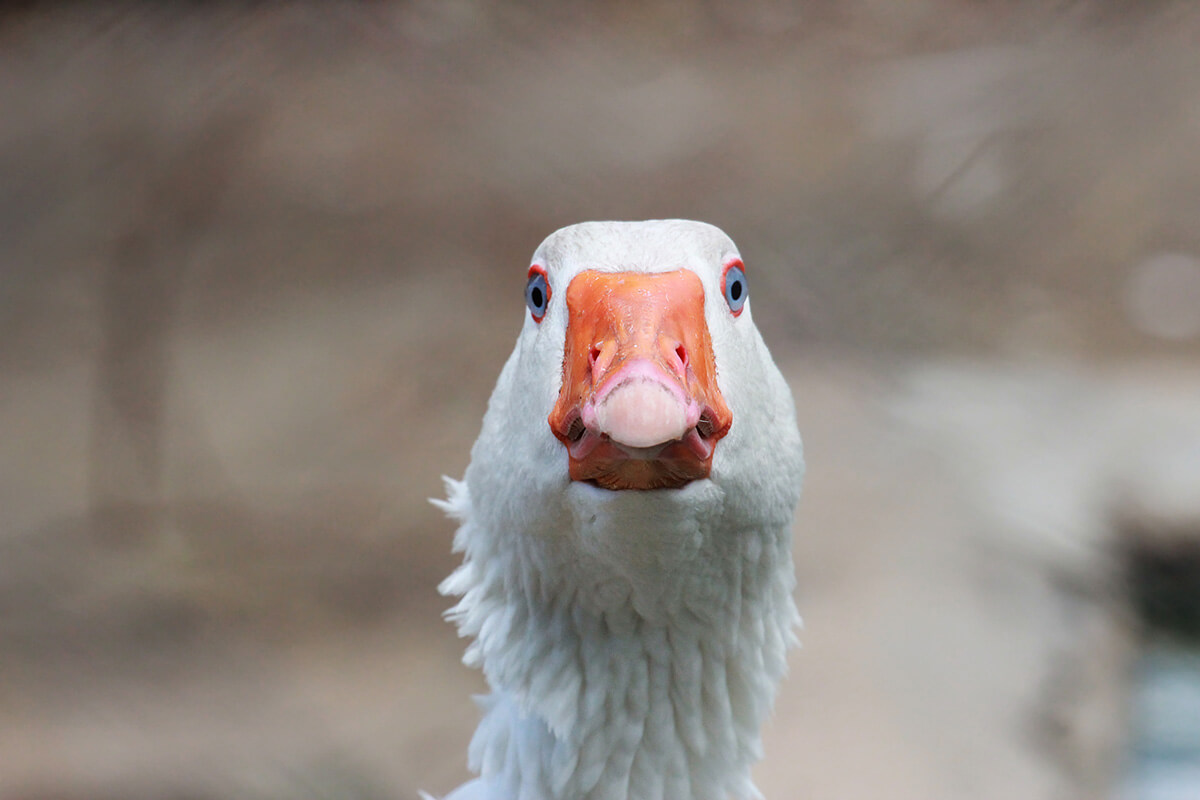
{"x":261,"y":263}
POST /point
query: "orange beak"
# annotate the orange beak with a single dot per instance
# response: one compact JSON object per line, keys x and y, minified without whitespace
{"x":639,"y":406}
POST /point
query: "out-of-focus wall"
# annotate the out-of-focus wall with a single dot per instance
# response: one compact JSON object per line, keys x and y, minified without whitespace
{"x":260,"y":265}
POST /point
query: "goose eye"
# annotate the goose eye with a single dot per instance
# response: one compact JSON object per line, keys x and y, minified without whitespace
{"x":735,"y":287}
{"x":537,"y":293}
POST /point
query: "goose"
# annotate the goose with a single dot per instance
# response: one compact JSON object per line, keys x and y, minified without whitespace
{"x":625,"y":526}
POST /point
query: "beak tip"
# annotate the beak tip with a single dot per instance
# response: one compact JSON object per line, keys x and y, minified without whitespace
{"x":642,"y":414}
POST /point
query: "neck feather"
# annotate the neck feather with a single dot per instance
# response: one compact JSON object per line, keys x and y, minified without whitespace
{"x":599,"y":692}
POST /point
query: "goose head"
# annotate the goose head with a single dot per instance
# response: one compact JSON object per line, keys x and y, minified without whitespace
{"x":638,"y":355}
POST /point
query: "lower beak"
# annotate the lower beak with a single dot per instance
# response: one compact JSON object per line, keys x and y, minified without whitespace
{"x":639,"y":406}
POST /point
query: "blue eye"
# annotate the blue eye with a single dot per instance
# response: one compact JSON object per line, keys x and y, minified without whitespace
{"x":537,"y":293}
{"x":735,"y":288}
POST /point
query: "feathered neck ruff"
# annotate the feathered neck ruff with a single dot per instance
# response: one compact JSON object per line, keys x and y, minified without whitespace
{"x":647,"y":683}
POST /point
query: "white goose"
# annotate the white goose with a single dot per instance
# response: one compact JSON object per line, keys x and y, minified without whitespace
{"x":625,"y":525}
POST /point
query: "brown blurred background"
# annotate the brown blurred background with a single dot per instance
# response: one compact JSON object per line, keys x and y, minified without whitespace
{"x":261,"y":263}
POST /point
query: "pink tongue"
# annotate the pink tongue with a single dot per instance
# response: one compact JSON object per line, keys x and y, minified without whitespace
{"x":642,"y":413}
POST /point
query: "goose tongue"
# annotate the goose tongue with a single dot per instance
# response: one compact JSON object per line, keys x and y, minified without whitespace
{"x":639,"y":406}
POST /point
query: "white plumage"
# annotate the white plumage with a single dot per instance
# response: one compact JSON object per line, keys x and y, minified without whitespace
{"x":633,"y":638}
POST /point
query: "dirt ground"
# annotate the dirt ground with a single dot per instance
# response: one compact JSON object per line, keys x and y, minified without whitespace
{"x":260,"y":265}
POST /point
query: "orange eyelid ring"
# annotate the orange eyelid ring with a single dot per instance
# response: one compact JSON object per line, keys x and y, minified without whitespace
{"x":639,"y":406}
{"x":538,"y":292}
{"x":737,"y":304}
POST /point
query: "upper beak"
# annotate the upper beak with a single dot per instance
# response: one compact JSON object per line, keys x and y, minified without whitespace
{"x":639,"y":406}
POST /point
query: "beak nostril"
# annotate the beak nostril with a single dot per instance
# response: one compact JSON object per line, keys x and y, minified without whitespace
{"x":681,"y":354}
{"x":593,"y":356}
